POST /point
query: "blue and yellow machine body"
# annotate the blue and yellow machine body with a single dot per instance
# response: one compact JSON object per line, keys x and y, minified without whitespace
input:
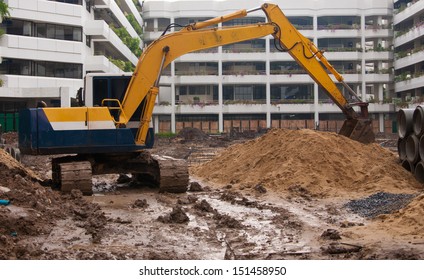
{"x":75,"y":130}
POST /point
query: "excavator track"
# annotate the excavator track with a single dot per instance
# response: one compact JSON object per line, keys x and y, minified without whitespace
{"x":72,"y":175}
{"x":173,"y":176}
{"x":166,"y":173}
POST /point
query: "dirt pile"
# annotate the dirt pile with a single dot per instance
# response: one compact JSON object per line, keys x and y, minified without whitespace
{"x":408,"y":220}
{"x":192,"y":134}
{"x":323,"y":164}
{"x":34,"y":210}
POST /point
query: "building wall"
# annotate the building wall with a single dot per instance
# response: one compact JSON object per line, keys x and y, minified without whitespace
{"x":253,"y":78}
{"x":409,"y":58}
{"x":49,"y":46}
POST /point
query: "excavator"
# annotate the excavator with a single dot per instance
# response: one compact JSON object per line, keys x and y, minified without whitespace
{"x":100,"y":139}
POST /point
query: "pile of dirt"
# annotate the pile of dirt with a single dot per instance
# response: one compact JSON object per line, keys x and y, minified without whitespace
{"x":192,"y":134}
{"x":323,"y":164}
{"x":34,"y":210}
{"x":408,"y":220}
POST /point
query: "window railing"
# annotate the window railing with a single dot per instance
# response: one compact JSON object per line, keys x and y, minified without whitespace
{"x":405,"y":31}
{"x":244,"y":102}
{"x":402,"y":54}
{"x":243,"y":72}
{"x":243,"y":49}
{"x":291,"y":101}
{"x":341,"y":26}
{"x":287,"y":72}
{"x":199,"y":72}
{"x":303,"y":27}
{"x":341,"y":49}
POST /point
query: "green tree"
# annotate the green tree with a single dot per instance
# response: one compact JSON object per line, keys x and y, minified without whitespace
{"x":4,"y":9}
{"x":4,"y":13}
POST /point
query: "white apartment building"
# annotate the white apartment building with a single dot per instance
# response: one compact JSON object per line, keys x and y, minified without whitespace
{"x":250,"y":85}
{"x":408,"y":23}
{"x":49,"y":46}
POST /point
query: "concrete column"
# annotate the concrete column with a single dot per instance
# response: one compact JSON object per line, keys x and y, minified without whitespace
{"x":220,"y":94}
{"x":363,"y":84}
{"x":268,"y":84}
{"x":316,"y":104}
{"x":65,"y":99}
{"x":173,"y":105}
{"x":380,"y":93}
{"x":316,"y":88}
{"x":381,"y":122}
{"x":156,"y":24}
{"x":156,"y":124}
{"x":268,"y":103}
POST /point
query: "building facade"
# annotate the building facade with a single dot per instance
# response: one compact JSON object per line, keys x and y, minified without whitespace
{"x":408,"y":23}
{"x":251,"y":85}
{"x":48,"y":46}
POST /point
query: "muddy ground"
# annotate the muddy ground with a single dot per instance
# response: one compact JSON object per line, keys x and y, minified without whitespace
{"x":211,"y":221}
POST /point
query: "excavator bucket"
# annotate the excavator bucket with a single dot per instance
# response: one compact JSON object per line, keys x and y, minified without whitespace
{"x":359,"y":130}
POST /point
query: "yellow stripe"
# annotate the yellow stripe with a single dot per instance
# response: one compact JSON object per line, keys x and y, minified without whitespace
{"x":79,"y":114}
{"x":99,"y":114}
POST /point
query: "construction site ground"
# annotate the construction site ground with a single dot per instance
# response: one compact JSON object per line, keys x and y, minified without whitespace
{"x":284,"y":194}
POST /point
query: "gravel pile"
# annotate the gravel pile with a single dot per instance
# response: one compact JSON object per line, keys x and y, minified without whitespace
{"x":379,"y":203}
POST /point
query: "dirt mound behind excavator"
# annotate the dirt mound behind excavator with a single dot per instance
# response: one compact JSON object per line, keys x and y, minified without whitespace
{"x":322,"y":164}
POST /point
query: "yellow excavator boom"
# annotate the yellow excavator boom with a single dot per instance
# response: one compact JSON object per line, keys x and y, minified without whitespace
{"x":203,"y":35}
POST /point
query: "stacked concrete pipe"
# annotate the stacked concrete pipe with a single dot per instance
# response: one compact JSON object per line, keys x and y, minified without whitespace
{"x":411,"y":140}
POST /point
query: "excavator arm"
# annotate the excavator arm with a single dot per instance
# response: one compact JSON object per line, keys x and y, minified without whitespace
{"x":145,"y":81}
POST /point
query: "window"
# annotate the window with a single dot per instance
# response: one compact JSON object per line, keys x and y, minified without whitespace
{"x":60,"y":32}
{"x":51,"y":31}
{"x":40,"y":68}
{"x":41,"y":30}
{"x":243,"y":93}
{"x":76,"y":2}
{"x":17,"y":27}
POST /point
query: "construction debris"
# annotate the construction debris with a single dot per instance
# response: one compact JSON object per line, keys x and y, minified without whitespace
{"x":283,"y":195}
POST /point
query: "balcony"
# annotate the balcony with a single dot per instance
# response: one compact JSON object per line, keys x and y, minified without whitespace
{"x":378,"y":78}
{"x":100,"y":63}
{"x":36,"y":10}
{"x":409,"y":84}
{"x":408,"y":12}
{"x":101,"y":33}
{"x":339,"y":33}
{"x":378,"y":33}
{"x":43,"y":49}
{"x":241,"y":108}
{"x":376,"y":55}
{"x":412,"y":34}
{"x":111,"y":12}
{"x":410,"y":59}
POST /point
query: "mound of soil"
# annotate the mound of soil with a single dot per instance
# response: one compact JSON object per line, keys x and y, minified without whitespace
{"x":408,"y":220}
{"x":323,"y":164}
{"x":34,"y":210}
{"x":191,"y":134}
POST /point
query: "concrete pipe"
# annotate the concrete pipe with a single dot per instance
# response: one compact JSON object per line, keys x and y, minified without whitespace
{"x":421,"y":147}
{"x":419,"y":172}
{"x":408,"y":166}
{"x":412,"y":153}
{"x":405,"y":122}
{"x":401,"y":146}
{"x":418,"y":121}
